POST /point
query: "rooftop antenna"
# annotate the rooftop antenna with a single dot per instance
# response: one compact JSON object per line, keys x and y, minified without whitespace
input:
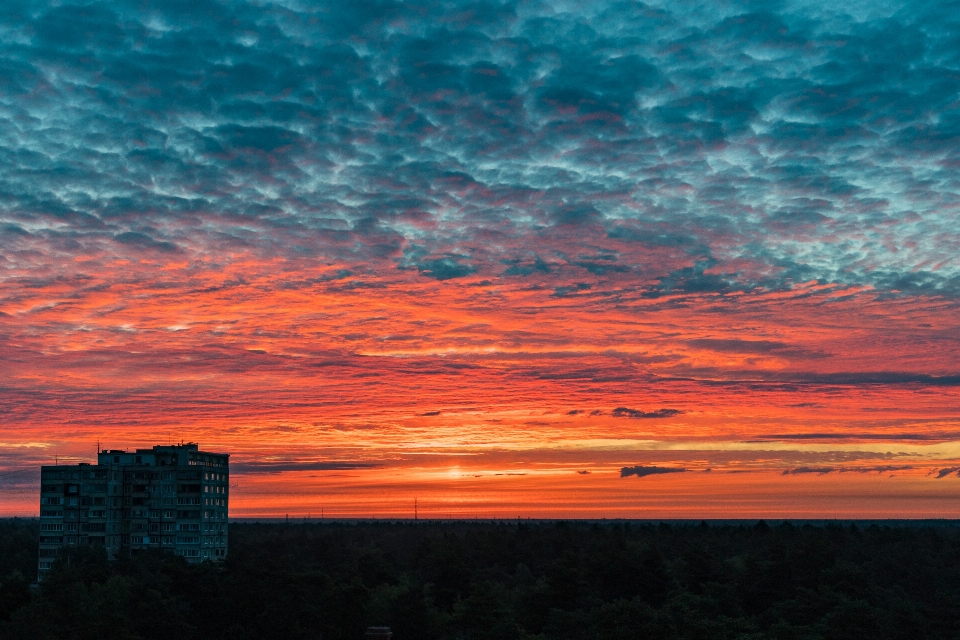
{"x":98,"y":446}
{"x":414,"y":509}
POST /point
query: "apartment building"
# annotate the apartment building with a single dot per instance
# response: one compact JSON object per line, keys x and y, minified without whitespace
{"x":172,"y":497}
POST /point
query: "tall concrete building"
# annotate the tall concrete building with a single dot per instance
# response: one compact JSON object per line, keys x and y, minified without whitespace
{"x":168,"y":497}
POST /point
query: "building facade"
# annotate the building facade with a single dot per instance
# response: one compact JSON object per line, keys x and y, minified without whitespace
{"x":169,"y":497}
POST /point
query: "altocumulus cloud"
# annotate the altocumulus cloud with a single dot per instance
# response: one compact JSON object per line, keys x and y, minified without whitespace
{"x":703,"y":147}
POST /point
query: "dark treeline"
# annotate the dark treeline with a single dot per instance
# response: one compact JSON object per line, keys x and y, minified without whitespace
{"x":432,"y":581}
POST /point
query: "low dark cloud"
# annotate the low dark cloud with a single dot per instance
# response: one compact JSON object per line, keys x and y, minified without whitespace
{"x":277,"y":467}
{"x":847,"y":469}
{"x":879,"y":469}
{"x":760,"y":347}
{"x":624,"y":412}
{"x":807,"y":470}
{"x":641,"y":471}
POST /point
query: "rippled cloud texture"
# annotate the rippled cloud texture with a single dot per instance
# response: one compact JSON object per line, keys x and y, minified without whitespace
{"x":489,"y":254}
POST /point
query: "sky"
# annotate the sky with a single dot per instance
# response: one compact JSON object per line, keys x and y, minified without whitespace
{"x":497,"y":260}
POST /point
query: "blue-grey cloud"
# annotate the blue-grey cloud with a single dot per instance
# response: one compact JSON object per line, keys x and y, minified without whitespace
{"x":825,"y":470}
{"x":808,"y":470}
{"x":293,"y":465}
{"x":698,"y":148}
{"x":624,"y":412}
{"x":641,"y":471}
{"x":754,"y":346}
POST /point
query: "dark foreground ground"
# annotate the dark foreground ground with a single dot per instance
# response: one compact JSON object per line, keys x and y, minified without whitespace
{"x":511,"y":581}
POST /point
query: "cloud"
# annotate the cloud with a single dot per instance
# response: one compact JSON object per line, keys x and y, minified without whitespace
{"x":852,"y":469}
{"x":357,"y":133}
{"x":641,"y":471}
{"x":760,"y":347}
{"x":251,"y":467}
{"x":624,"y":412}
{"x":807,"y":470}
{"x":878,"y":469}
{"x":143,"y":241}
{"x":444,"y":269}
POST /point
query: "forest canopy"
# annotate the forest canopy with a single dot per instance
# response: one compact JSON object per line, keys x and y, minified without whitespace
{"x":509,"y":580}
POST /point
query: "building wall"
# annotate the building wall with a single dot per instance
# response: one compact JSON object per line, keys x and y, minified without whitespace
{"x":169,"y":497}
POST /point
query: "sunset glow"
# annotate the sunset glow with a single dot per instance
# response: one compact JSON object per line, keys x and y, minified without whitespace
{"x":488,"y":257}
